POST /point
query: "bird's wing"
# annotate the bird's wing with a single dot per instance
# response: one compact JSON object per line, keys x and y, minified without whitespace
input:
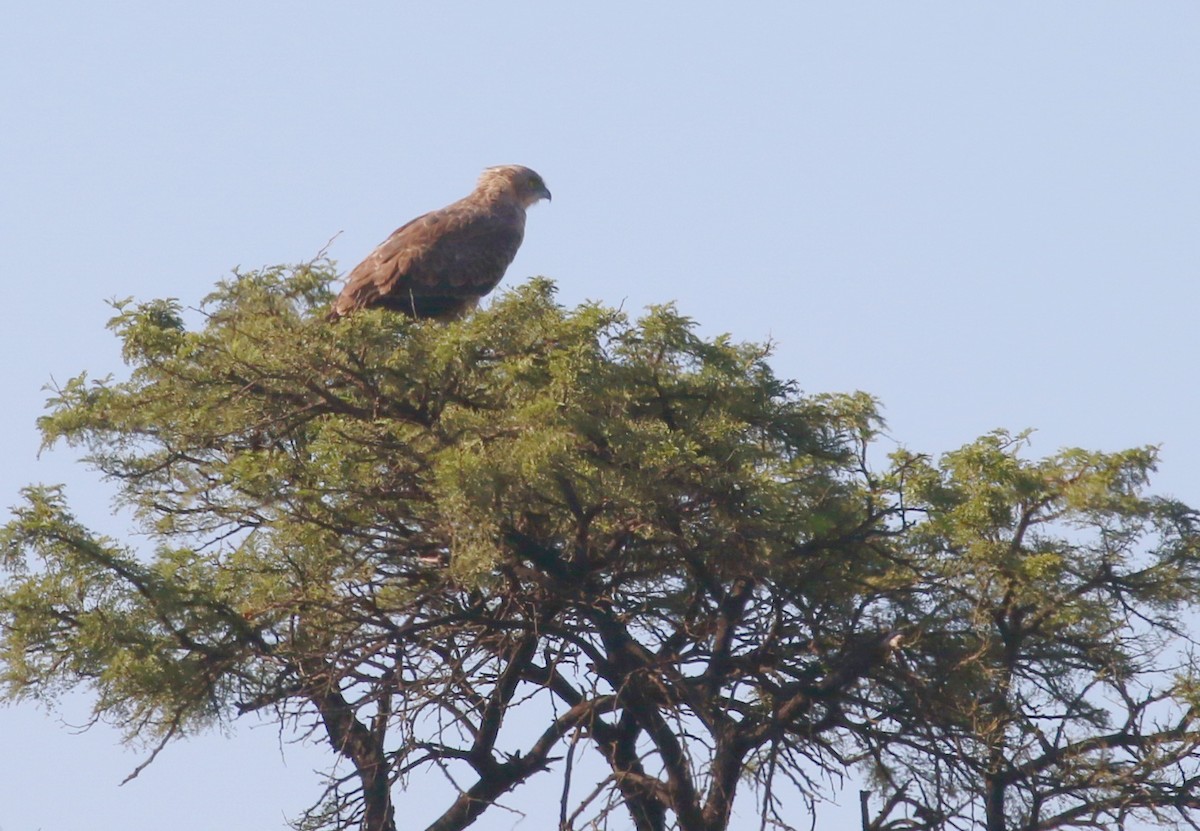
{"x":460,"y":249}
{"x":385,"y":267}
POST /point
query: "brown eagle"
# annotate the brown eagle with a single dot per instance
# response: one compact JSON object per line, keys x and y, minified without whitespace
{"x":441,"y":263}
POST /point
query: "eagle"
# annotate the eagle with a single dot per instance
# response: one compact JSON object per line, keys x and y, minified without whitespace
{"x":441,"y":263}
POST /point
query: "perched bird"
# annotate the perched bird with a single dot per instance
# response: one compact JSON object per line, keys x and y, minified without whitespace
{"x":440,"y":264}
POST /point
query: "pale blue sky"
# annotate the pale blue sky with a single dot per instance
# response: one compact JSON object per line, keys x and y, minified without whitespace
{"x":985,"y":214}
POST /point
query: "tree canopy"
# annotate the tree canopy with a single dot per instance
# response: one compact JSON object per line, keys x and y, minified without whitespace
{"x":540,"y":542}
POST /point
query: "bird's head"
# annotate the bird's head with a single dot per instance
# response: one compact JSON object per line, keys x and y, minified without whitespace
{"x":516,"y":182}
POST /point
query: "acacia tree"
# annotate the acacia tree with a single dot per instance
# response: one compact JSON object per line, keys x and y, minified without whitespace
{"x":398,"y":535}
{"x":392,"y":532}
{"x":1054,"y":683}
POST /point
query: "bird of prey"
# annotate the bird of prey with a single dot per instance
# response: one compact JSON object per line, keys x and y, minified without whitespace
{"x":441,"y":263}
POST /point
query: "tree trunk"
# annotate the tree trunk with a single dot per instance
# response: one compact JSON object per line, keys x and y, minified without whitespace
{"x":993,"y":790}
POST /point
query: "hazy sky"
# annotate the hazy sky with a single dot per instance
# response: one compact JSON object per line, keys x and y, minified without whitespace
{"x":985,"y":214}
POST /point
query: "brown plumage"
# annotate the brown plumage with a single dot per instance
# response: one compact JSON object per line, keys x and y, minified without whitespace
{"x":440,"y":264}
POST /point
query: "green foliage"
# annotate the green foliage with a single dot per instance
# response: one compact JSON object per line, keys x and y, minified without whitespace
{"x":267,"y":419}
{"x":149,"y":639}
